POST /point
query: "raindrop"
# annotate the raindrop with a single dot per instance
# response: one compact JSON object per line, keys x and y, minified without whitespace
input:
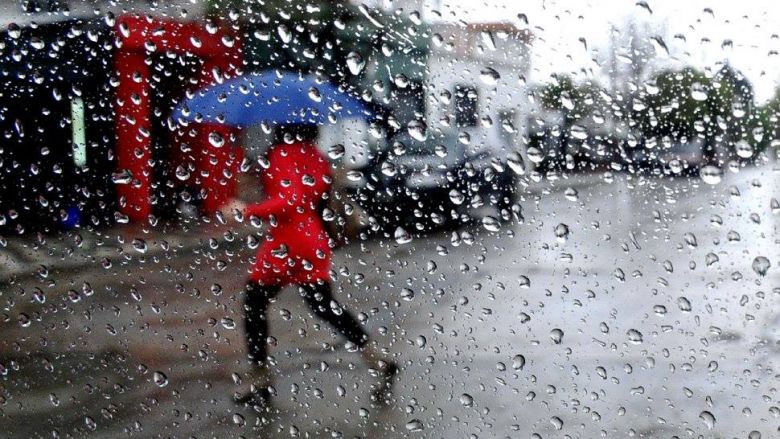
{"x":414,"y":426}
{"x":336,"y":151}
{"x":24,"y":320}
{"x":761,"y":265}
{"x":556,"y":335}
{"x":90,"y":423}
{"x":579,"y":132}
{"x":690,"y":239}
{"x":216,"y":140}
{"x":516,"y":163}
{"x":708,"y":419}
{"x":402,"y":236}
{"x":418,"y":130}
{"x":284,"y":33}
{"x":744,"y":149}
{"x":634,"y":336}
{"x":562,"y":232}
{"x":315,"y":94}
{"x":355,"y":63}
{"x":466,"y":400}
{"x":698,"y":92}
{"x":489,"y":76}
{"x":518,"y":362}
{"x":491,"y":224}
{"x":139,"y":245}
{"x":457,"y":197}
{"x":684,"y":304}
{"x":711,"y":174}
{"x":182,"y":173}
{"x":121,"y":177}
{"x":160,"y":379}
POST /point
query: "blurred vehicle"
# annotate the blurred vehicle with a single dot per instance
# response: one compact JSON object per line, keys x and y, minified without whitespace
{"x":668,"y":156}
{"x":546,"y":141}
{"x":438,"y":178}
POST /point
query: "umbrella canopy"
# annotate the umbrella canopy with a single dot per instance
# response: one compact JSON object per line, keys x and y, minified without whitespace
{"x":271,"y":97}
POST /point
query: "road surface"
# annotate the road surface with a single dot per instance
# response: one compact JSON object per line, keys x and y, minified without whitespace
{"x":618,"y":307}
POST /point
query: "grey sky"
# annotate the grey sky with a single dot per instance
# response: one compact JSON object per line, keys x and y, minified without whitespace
{"x":750,"y":25}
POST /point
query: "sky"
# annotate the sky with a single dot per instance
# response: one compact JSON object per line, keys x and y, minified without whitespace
{"x":697,"y":32}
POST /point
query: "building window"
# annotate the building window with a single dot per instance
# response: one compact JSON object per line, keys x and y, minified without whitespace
{"x":408,"y":102}
{"x":466,"y":99}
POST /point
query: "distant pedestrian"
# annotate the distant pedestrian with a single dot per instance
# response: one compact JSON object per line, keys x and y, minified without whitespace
{"x":297,"y":251}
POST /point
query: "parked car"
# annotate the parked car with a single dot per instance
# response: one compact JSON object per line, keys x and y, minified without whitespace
{"x":669,"y":156}
{"x":437,"y":179}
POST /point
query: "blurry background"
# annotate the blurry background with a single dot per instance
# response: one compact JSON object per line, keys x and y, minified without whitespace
{"x":564,"y":221}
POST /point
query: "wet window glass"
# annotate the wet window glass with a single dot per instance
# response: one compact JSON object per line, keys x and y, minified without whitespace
{"x":389,"y":218}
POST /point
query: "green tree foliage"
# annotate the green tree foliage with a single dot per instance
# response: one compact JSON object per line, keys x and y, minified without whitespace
{"x":575,"y":101}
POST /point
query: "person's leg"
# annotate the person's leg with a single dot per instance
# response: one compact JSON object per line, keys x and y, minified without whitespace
{"x":256,"y":302}
{"x":320,"y":298}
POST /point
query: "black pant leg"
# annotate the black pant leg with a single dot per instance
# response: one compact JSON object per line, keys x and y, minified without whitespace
{"x":256,"y":302}
{"x":319,"y":296}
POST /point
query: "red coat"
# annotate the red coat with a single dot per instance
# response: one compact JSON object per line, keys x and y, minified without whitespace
{"x":297,"y":248}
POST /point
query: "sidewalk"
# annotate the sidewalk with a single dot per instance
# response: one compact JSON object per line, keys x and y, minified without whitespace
{"x":50,"y":256}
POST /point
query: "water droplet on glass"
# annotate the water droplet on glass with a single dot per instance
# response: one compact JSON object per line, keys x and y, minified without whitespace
{"x":698,"y":92}
{"x":315,"y":94}
{"x":491,"y":224}
{"x":418,"y":130}
{"x":489,"y":76}
{"x":216,"y":140}
{"x":457,"y":197}
{"x":708,"y":419}
{"x":121,"y":177}
{"x":711,"y":174}
{"x":518,"y":362}
{"x":415,"y":425}
{"x":466,"y":400}
{"x":355,"y":63}
{"x":744,"y":149}
{"x":634,"y":336}
{"x":402,"y":236}
{"x":684,"y":304}
{"x":556,"y":335}
{"x":160,"y":379}
{"x":336,"y":151}
{"x":761,"y":265}
{"x":562,"y":232}
{"x":90,"y":423}
{"x":284,"y":33}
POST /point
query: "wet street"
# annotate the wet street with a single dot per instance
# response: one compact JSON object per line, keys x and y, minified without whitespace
{"x":629,"y":306}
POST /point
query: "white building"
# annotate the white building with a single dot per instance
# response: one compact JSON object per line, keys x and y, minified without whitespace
{"x":476,"y":84}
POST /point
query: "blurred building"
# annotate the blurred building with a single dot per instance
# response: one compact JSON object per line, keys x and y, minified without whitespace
{"x":476,"y":84}
{"x":84,"y":109}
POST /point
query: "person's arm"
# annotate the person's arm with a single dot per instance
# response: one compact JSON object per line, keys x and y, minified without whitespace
{"x":277,"y":206}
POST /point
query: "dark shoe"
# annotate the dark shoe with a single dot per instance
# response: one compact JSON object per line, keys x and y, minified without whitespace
{"x":383,"y":391}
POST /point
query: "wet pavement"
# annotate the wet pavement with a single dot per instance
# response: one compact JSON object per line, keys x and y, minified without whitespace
{"x":620,"y":306}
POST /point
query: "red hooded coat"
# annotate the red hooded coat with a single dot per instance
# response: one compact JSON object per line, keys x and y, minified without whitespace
{"x":296,"y":249}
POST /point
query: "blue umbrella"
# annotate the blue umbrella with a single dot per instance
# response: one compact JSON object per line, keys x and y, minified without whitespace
{"x":284,"y":98}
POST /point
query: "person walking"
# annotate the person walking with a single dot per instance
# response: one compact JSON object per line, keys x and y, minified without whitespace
{"x":297,"y":251}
